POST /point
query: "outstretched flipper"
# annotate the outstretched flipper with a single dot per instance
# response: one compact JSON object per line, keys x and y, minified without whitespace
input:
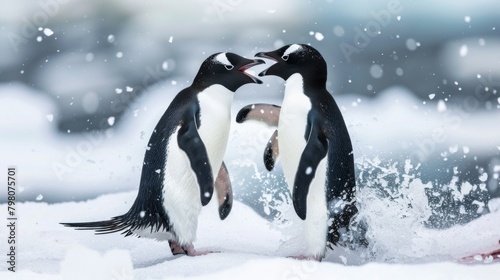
{"x":267,"y":113}
{"x":224,"y":192}
{"x":190,"y":142}
{"x":315,"y":150}
{"x":271,"y":152}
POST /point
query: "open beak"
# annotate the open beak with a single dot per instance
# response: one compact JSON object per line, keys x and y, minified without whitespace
{"x":249,"y":64}
{"x":268,"y":55}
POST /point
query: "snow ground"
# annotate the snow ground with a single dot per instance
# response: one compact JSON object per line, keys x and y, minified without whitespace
{"x":250,"y":246}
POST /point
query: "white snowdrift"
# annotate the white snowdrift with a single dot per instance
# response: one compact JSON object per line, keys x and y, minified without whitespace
{"x":251,"y":248}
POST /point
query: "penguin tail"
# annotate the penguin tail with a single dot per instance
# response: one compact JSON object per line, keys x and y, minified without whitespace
{"x":116,"y":224}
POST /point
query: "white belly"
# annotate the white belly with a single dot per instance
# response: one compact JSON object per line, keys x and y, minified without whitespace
{"x":181,"y":191}
{"x":292,"y":126}
{"x":291,"y":132}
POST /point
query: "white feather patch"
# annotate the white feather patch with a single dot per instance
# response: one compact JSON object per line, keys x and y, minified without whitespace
{"x":293,"y":48}
{"x":222,"y":59}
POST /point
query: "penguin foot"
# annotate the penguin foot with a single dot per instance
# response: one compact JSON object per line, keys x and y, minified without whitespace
{"x":186,"y":250}
{"x":495,"y":255}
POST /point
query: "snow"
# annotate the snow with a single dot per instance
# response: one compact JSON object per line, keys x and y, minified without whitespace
{"x":249,"y":246}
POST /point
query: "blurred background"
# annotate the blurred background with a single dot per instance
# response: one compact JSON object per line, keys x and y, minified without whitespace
{"x":83,"y":83}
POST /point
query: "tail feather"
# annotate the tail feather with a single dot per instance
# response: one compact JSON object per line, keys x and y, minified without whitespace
{"x":126,"y":224}
{"x":116,"y":224}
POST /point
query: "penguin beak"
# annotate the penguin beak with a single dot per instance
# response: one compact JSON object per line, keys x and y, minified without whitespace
{"x":248,"y":63}
{"x":269,"y":55}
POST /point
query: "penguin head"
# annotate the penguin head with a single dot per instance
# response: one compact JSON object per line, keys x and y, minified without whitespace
{"x":295,"y":58}
{"x":227,"y":69}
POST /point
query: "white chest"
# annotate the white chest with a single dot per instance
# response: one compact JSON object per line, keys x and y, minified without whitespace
{"x":215,"y":117}
{"x":292,"y":126}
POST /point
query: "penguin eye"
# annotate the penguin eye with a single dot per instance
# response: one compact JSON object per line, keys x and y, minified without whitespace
{"x":229,"y":67}
{"x":285,"y":57}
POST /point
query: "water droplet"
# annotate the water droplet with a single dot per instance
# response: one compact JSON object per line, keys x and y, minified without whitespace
{"x":411,"y":44}
{"x":111,"y":121}
{"x":309,"y":170}
{"x":164,"y":65}
{"x":319,"y":36}
{"x":338,"y":31}
{"x":376,"y":71}
{"x":111,"y":38}
{"x":50,"y":117}
{"x":48,"y":32}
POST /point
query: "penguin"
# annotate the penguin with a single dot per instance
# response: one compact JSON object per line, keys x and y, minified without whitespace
{"x":314,"y":146}
{"x":183,"y":162}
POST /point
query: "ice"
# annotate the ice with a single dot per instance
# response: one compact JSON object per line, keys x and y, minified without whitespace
{"x":431,"y":96}
{"x":111,"y":38}
{"x":39,"y":197}
{"x":50,"y":117}
{"x":39,"y":38}
{"x":129,"y":89}
{"x":119,"y":54}
{"x":171,"y":39}
{"x":483,"y":177}
{"x":467,"y":19}
{"x":118,"y":90}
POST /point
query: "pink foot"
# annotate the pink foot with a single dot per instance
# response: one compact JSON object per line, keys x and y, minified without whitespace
{"x":187,"y":250}
{"x":495,"y":255}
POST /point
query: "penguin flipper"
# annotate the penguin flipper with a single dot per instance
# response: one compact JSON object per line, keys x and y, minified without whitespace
{"x":267,"y":113}
{"x":271,"y":152}
{"x":315,"y":150}
{"x":190,"y":142}
{"x":224,"y":192}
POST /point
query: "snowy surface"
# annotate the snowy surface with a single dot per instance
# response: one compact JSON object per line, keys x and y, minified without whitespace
{"x":250,"y":248}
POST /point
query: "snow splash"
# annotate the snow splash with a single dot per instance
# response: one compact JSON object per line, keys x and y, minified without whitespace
{"x":404,"y":219}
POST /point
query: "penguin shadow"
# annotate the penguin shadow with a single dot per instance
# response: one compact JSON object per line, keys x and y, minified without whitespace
{"x":158,"y":261}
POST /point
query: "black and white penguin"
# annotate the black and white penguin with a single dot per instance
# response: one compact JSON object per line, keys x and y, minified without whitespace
{"x":183,"y":158}
{"x":314,"y":146}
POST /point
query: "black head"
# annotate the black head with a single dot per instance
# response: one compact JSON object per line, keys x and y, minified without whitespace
{"x":296,"y":58}
{"x":226,"y":69}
